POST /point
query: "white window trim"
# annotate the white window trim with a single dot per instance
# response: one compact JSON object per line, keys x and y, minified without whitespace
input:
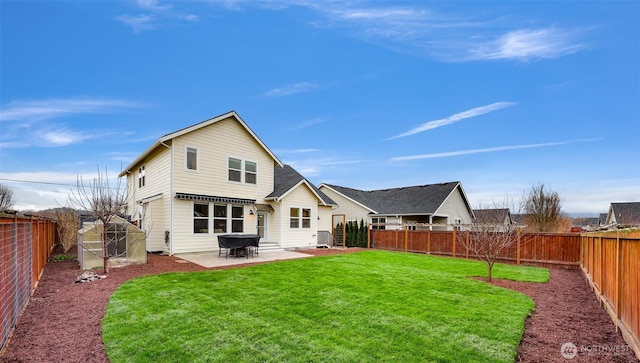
{"x":300,"y":217}
{"x":142,"y":176}
{"x":243,"y":170}
{"x":211,"y":218}
{"x":186,"y":155}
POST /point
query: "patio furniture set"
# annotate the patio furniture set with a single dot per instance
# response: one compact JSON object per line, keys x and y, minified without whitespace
{"x":238,"y":245}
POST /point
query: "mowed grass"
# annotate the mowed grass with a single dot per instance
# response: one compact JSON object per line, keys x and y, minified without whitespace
{"x":371,"y":306}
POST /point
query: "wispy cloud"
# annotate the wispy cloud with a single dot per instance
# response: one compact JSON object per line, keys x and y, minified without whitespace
{"x":64,"y":137}
{"x":138,"y":22}
{"x":154,"y":13}
{"x":486,"y":150}
{"x":524,"y":44}
{"x":291,"y":89}
{"x":29,"y":123}
{"x":308,"y":123}
{"x":450,"y":37}
{"x":54,"y":108}
{"x":474,"y":112}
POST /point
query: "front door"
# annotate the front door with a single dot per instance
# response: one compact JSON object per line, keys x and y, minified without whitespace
{"x":262,"y":226}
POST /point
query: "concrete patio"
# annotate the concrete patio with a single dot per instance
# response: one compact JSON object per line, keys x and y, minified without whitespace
{"x":211,"y":259}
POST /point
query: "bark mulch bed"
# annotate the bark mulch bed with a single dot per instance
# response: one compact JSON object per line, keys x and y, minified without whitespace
{"x":62,"y":320}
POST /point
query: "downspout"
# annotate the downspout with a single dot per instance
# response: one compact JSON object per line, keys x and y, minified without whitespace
{"x":431,"y":222}
{"x":171,"y":194}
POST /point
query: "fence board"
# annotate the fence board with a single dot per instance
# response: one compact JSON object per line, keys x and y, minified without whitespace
{"x":546,"y":249}
{"x":25,"y":246}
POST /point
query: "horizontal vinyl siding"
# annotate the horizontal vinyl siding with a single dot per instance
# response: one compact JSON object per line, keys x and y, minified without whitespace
{"x":157,"y":181}
{"x":301,"y":197}
{"x":455,"y":207}
{"x":351,"y":210}
{"x":215,"y":143}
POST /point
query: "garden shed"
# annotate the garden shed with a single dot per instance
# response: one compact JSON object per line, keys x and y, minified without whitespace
{"x":125,"y":244}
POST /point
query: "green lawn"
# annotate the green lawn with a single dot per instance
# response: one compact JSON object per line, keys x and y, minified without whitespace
{"x":371,"y":306}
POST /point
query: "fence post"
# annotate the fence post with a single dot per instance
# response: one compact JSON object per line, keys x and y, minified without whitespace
{"x":429,"y":240}
{"x":406,"y":239}
{"x":518,"y":247}
{"x":454,"y":241}
{"x":368,"y":235}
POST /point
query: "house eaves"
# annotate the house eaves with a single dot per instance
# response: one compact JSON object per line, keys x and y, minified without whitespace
{"x":162,"y":140}
{"x":412,"y":200}
{"x":287,"y":179}
{"x":331,"y":187}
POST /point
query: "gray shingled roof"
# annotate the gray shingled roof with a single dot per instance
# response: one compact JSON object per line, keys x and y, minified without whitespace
{"x":492,"y":215}
{"x":422,"y":199}
{"x":627,"y":213}
{"x":286,"y":178}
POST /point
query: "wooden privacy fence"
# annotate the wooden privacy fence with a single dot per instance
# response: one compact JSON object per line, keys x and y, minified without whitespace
{"x":556,"y":250}
{"x":25,"y":246}
{"x":611,"y":263}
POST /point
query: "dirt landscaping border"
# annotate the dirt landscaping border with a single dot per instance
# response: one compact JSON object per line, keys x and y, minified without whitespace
{"x":62,"y":320}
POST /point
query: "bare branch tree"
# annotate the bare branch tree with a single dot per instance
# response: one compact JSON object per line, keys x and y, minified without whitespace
{"x":489,"y":235}
{"x":68,"y":225}
{"x":542,"y":209}
{"x":6,"y":198}
{"x":103,"y":202}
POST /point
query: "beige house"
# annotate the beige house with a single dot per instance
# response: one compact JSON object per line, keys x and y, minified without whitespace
{"x":434,"y":206}
{"x":217,"y":177}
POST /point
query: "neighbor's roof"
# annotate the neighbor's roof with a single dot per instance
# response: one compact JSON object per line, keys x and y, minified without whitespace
{"x":287,"y":178}
{"x":422,"y":199}
{"x":626,"y":213}
{"x":494,"y":215}
{"x":195,"y":127}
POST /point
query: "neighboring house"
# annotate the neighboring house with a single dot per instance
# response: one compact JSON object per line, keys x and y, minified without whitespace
{"x":417,"y":206}
{"x":624,"y":214}
{"x":493,"y":216}
{"x":217,"y":177}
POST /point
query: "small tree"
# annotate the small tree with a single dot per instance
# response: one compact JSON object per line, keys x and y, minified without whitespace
{"x":488,"y":236}
{"x":103,"y":202}
{"x":6,"y":198}
{"x":67,"y":225}
{"x":542,"y":210}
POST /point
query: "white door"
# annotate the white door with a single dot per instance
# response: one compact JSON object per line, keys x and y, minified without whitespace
{"x":262,"y":226}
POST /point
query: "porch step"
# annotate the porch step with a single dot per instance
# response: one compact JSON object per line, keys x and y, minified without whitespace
{"x":269,"y":246}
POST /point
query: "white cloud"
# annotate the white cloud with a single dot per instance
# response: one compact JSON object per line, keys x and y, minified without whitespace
{"x":526,"y":44}
{"x":449,"y":37}
{"x":153,"y":5}
{"x":64,"y":137}
{"x":138,"y":22}
{"x":485,"y":150}
{"x":300,"y":87}
{"x":474,"y":112}
{"x":53,"y":108}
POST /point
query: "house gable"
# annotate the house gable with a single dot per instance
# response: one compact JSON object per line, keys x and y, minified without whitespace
{"x":166,"y":140}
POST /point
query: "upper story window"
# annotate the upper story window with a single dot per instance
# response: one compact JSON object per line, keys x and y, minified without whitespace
{"x":243,"y":171}
{"x":235,"y":170}
{"x":141,"y":177}
{"x":250,"y":172}
{"x":300,"y":218}
{"x":192,"y":158}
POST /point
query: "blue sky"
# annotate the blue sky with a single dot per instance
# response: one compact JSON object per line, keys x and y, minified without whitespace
{"x":366,"y":94}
